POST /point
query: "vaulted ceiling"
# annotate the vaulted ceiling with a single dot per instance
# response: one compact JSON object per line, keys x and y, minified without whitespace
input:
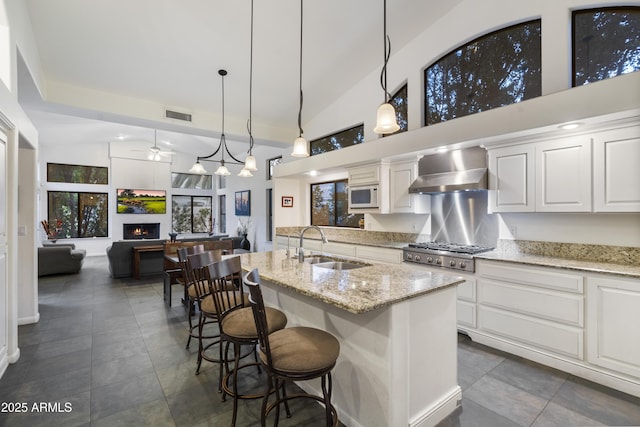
{"x":167,"y":53}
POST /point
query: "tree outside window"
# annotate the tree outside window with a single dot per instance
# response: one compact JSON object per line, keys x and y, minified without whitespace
{"x":338,"y":140}
{"x":192,"y":214}
{"x":330,"y":205}
{"x":78,"y":214}
{"x":606,"y":43}
{"x":494,"y":70}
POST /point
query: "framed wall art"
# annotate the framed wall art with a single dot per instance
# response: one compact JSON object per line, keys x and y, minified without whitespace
{"x":243,"y":203}
{"x":287,"y":201}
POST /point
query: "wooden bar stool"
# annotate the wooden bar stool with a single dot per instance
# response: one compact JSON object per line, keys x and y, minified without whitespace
{"x":189,"y":288}
{"x":196,"y":267}
{"x":292,"y":354}
{"x":237,"y":326}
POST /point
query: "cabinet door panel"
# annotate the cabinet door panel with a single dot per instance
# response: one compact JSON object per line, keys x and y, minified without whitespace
{"x":616,"y":171}
{"x":466,"y":314}
{"x":511,"y":179}
{"x":563,"y":175}
{"x":614,"y":316}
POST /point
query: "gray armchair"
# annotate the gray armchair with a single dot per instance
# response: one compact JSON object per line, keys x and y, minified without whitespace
{"x":60,"y":259}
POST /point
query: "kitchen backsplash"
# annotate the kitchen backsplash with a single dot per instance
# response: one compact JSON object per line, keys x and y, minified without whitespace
{"x":625,"y":255}
{"x":357,"y":236}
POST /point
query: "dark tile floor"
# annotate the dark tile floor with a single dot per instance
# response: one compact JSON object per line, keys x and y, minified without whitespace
{"x":109,"y":353}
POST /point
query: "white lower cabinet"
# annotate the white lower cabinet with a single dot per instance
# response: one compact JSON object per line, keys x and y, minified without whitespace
{"x":582,"y":323}
{"x":532,"y":306}
{"x":612,"y":324}
{"x":466,"y":303}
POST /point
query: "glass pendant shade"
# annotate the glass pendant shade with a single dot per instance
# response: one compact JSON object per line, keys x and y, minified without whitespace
{"x":154,"y":156}
{"x":197,"y":168}
{"x":386,"y":120}
{"x":300,"y":147}
{"x":245,"y":173}
{"x":250,"y":163}
{"x":222,"y":170}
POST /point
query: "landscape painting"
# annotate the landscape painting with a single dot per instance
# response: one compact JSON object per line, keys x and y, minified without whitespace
{"x":136,"y":201}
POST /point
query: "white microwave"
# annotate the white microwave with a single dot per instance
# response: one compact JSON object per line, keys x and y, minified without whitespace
{"x":363,"y":197}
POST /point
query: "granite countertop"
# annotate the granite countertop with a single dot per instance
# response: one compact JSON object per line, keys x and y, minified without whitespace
{"x":357,"y":290}
{"x":632,"y":271}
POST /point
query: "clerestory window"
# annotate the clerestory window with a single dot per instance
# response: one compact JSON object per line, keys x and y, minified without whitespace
{"x":606,"y":43}
{"x":497,"y":69}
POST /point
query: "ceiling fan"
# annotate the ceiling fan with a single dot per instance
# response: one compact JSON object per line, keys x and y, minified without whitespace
{"x":154,"y":152}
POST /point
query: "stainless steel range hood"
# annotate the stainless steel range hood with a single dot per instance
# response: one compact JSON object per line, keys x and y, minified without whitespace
{"x":457,"y":170}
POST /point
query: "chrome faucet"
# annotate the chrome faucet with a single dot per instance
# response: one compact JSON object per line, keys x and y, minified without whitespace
{"x":301,"y":250}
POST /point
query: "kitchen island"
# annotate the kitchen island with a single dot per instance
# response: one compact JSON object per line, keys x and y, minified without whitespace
{"x":397,"y":330}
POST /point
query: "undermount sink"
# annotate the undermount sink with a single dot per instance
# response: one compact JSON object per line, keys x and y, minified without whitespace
{"x":333,"y":263}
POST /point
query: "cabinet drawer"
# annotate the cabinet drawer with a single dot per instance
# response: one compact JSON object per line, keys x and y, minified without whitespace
{"x":379,"y":254}
{"x":550,"y":305}
{"x":541,"y":277}
{"x":544,"y":335}
{"x":467,"y":290}
{"x":466,"y":314}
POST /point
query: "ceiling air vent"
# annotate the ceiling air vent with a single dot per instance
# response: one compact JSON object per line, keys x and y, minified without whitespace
{"x":178,"y":116}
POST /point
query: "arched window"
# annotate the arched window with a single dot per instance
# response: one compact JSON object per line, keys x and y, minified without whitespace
{"x":494,"y":70}
{"x":606,"y":43}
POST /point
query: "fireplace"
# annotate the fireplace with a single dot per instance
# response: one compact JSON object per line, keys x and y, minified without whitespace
{"x":141,"y":231}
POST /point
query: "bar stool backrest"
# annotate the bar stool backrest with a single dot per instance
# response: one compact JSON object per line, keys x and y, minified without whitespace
{"x":252,"y":282}
{"x":225,"y":285}
{"x":196,"y":269}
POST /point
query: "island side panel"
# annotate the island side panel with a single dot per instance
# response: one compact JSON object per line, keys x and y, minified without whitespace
{"x":362,"y":375}
{"x":424,"y":358}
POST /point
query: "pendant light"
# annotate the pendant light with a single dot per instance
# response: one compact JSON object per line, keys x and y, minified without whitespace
{"x":300,"y":148}
{"x":250,"y":161}
{"x":222,"y":147}
{"x":386,"y":122}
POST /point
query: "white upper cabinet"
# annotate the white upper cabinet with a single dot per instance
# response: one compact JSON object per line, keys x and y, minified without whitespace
{"x":593,"y":172}
{"x":563,"y":175}
{"x":616,"y":160}
{"x":401,"y":176}
{"x":365,"y":175}
{"x":511,"y":179}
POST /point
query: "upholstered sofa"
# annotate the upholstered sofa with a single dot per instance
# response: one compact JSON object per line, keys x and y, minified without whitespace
{"x":120,"y":256}
{"x":60,"y":258}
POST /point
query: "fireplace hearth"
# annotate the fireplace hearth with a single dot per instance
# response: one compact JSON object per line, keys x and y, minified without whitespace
{"x":141,"y":231}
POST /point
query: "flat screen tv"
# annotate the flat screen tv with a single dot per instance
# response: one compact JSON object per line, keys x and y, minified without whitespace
{"x":136,"y":201}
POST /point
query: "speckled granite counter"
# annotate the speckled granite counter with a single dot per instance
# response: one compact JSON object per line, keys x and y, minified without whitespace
{"x":358,"y":290}
{"x":616,"y":260}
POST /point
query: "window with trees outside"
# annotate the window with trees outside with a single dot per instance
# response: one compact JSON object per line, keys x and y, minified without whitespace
{"x":72,"y":214}
{"x":330,"y":205}
{"x":77,"y":174}
{"x":338,"y":140}
{"x":494,"y":70}
{"x":606,"y":43}
{"x":192,"y":214}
